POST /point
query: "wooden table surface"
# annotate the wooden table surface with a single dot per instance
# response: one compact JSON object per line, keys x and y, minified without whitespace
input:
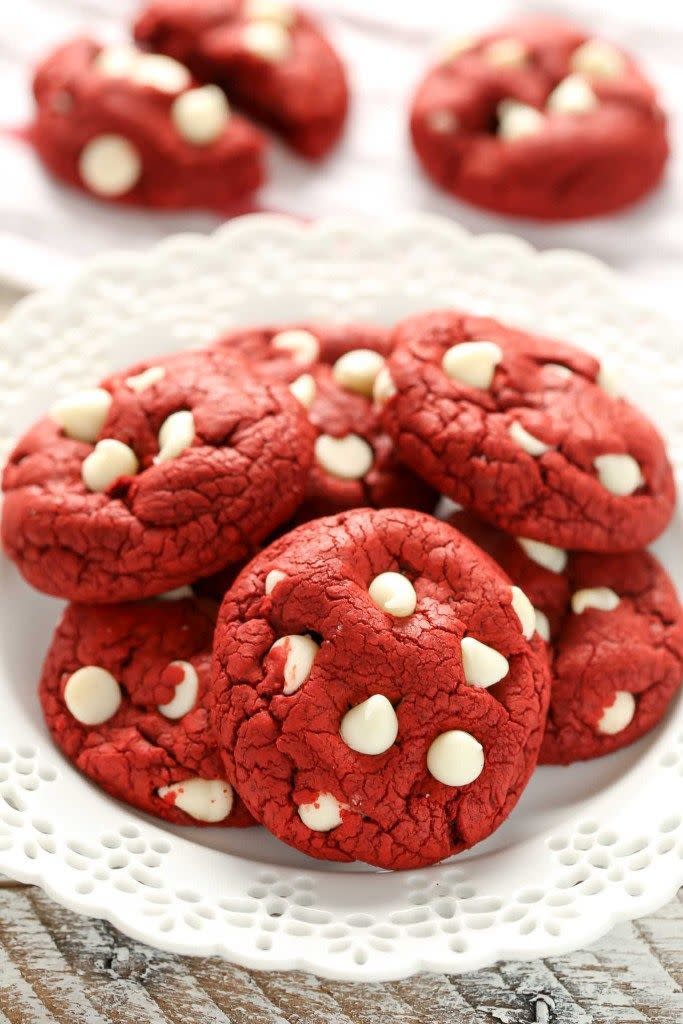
{"x":58,"y":967}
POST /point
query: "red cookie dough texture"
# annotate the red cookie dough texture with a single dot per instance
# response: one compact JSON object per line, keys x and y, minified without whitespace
{"x":123,"y":692}
{"x":332,"y":370}
{"x":615,"y":628}
{"x":137,"y":128}
{"x":524,"y":431}
{"x":376,"y":696}
{"x":540,"y":119}
{"x":538,"y":569}
{"x":163,"y":475}
{"x":271,"y":59}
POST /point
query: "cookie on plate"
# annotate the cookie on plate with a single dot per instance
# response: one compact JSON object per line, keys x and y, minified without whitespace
{"x":123,"y":692}
{"x":615,"y":629}
{"x":332,"y":370}
{"x":540,"y":119}
{"x":163,"y":475}
{"x":378,"y":692}
{"x":136,"y":128}
{"x":526,"y":432}
{"x":272,"y":60}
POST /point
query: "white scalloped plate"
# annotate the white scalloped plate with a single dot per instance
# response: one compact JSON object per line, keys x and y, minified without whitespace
{"x":586,"y":847}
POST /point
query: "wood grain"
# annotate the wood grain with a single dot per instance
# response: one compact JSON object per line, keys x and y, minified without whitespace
{"x":59,"y":968}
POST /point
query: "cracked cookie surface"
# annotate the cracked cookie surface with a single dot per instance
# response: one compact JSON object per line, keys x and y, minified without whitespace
{"x":538,"y":119}
{"x":376,"y":697}
{"x":166,"y":473}
{"x":123,"y":692}
{"x":615,"y":629}
{"x":333,"y":370}
{"x":522,"y":430}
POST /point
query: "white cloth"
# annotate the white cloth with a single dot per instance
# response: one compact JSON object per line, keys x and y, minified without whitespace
{"x":47,"y":230}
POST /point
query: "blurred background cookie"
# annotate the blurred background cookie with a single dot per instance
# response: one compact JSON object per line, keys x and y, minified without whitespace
{"x":137,"y":128}
{"x":272,"y":59}
{"x":540,"y":119}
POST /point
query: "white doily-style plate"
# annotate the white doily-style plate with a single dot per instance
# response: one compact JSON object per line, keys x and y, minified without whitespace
{"x":586,"y":847}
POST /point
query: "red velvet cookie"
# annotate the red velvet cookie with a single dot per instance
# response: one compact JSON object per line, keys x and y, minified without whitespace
{"x":615,"y":627}
{"x":539,"y":119}
{"x":272,"y":60}
{"x":137,"y":128}
{"x":123,"y":692}
{"x":538,"y":568}
{"x":522,"y":430}
{"x":162,"y":475}
{"x":332,"y":370}
{"x":376,"y":696}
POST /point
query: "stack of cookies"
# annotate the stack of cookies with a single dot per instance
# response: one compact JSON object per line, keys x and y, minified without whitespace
{"x":151,"y":123}
{"x":269,"y":624}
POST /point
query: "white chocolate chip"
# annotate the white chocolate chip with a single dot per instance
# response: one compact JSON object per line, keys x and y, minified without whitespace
{"x":531,"y":445}
{"x":483,"y":666}
{"x":551,"y":558}
{"x":152,"y":69}
{"x":323,"y":814}
{"x":608,"y":381}
{"x":370,"y":727}
{"x":82,"y":416}
{"x":619,"y":474}
{"x":518,"y":120}
{"x":457,"y":45}
{"x":303,"y":346}
{"x":304,"y":389}
{"x":116,"y":61}
{"x":383,"y":388}
{"x":300,"y":654}
{"x":472,"y":363}
{"x":455,"y":758}
{"x":272,"y":579}
{"x":442,"y":122}
{"x":185,"y":696}
{"x":394,"y":594}
{"x":542,"y":625}
{"x":267,"y":39}
{"x":572,"y":96}
{"x":446,"y":507}
{"x":506,"y":53}
{"x":348,"y":458}
{"x":161,"y":72}
{"x":562,"y":371}
{"x":109,"y":165}
{"x":201,"y":114}
{"x":357,"y":370}
{"x":92,"y":695}
{"x":109,"y":460}
{"x":618,"y":715}
{"x":175,"y":435}
{"x":142,"y":381}
{"x":596,"y":57}
{"x":524,"y":611}
{"x":602,"y":598}
{"x":269,"y":10}
{"x":208,"y":800}
{"x":177,"y":594}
